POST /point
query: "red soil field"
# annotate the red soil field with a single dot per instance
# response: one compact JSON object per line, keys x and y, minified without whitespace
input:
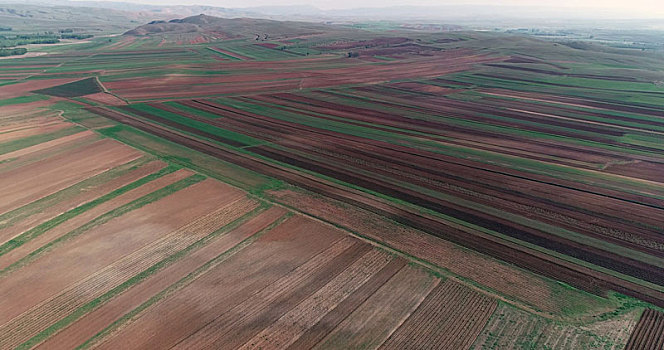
{"x":31,"y":182}
{"x":88,"y":265}
{"x":332,"y":319}
{"x":45,"y":147}
{"x":295,"y":78}
{"x":105,"y":99}
{"x":380,"y":315}
{"x":232,"y":54}
{"x":25,"y":132}
{"x":292,"y":325}
{"x":272,"y":257}
{"x":21,"y":89}
{"x":96,"y":321}
{"x":649,"y":332}
{"x":268,"y":45}
{"x":85,"y":195}
{"x":341,"y":45}
{"x":22,"y":251}
{"x":451,"y":317}
{"x":232,"y":329}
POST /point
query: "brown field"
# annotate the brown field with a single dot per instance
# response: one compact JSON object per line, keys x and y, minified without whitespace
{"x":649,"y":332}
{"x":285,"y":76}
{"x":21,"y":252}
{"x":84,"y":196}
{"x":460,"y":315}
{"x":53,"y":174}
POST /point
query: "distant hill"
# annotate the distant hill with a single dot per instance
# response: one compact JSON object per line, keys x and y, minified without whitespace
{"x":30,"y":18}
{"x":235,"y":27}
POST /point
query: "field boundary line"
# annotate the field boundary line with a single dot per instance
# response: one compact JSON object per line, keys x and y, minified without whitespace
{"x":137,"y":312}
{"x":144,"y":274}
{"x":100,"y":220}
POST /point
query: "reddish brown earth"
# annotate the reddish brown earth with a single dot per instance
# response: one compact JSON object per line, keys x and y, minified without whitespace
{"x":232,"y":54}
{"x":341,"y":45}
{"x":24,"y":88}
{"x":85,"y":195}
{"x":306,"y":317}
{"x":24,"y":250}
{"x":105,"y":99}
{"x":649,"y":332}
{"x":45,"y":146}
{"x":451,"y":317}
{"x":272,"y":257}
{"x":381,"y":314}
{"x":31,"y":182}
{"x":230,"y":330}
{"x":88,"y":265}
{"x":90,"y":251}
{"x":96,"y":321}
{"x":293,"y":78}
{"x":268,"y":45}
{"x":43,"y":129}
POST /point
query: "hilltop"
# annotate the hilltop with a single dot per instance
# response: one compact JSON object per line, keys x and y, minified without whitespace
{"x":234,"y":27}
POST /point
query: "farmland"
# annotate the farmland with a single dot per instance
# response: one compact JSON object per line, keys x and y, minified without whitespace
{"x":184,"y":186}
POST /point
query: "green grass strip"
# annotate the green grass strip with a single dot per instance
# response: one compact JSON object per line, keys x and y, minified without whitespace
{"x":138,"y":203}
{"x":181,"y":283}
{"x":48,"y":225}
{"x":92,"y":305}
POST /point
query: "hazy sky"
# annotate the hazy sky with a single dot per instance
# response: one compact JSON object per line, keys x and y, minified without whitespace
{"x":631,"y":7}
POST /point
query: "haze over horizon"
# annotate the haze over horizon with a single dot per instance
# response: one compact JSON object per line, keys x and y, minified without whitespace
{"x":635,"y":8}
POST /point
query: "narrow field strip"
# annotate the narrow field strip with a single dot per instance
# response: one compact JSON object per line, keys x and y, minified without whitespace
{"x":15,"y":145}
{"x":85,"y":295}
{"x":314,"y":334}
{"x":147,"y":199}
{"x":46,"y":145}
{"x":48,"y":225}
{"x":451,"y":317}
{"x":8,"y":219}
{"x":41,"y":153}
{"x":378,"y":317}
{"x":288,"y":328}
{"x":56,"y":173}
{"x":247,"y":234}
{"x":178,"y":266}
{"x":28,"y":132}
{"x":25,"y":249}
{"x":90,"y":193}
{"x":232,"y":329}
{"x":269,"y":258}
